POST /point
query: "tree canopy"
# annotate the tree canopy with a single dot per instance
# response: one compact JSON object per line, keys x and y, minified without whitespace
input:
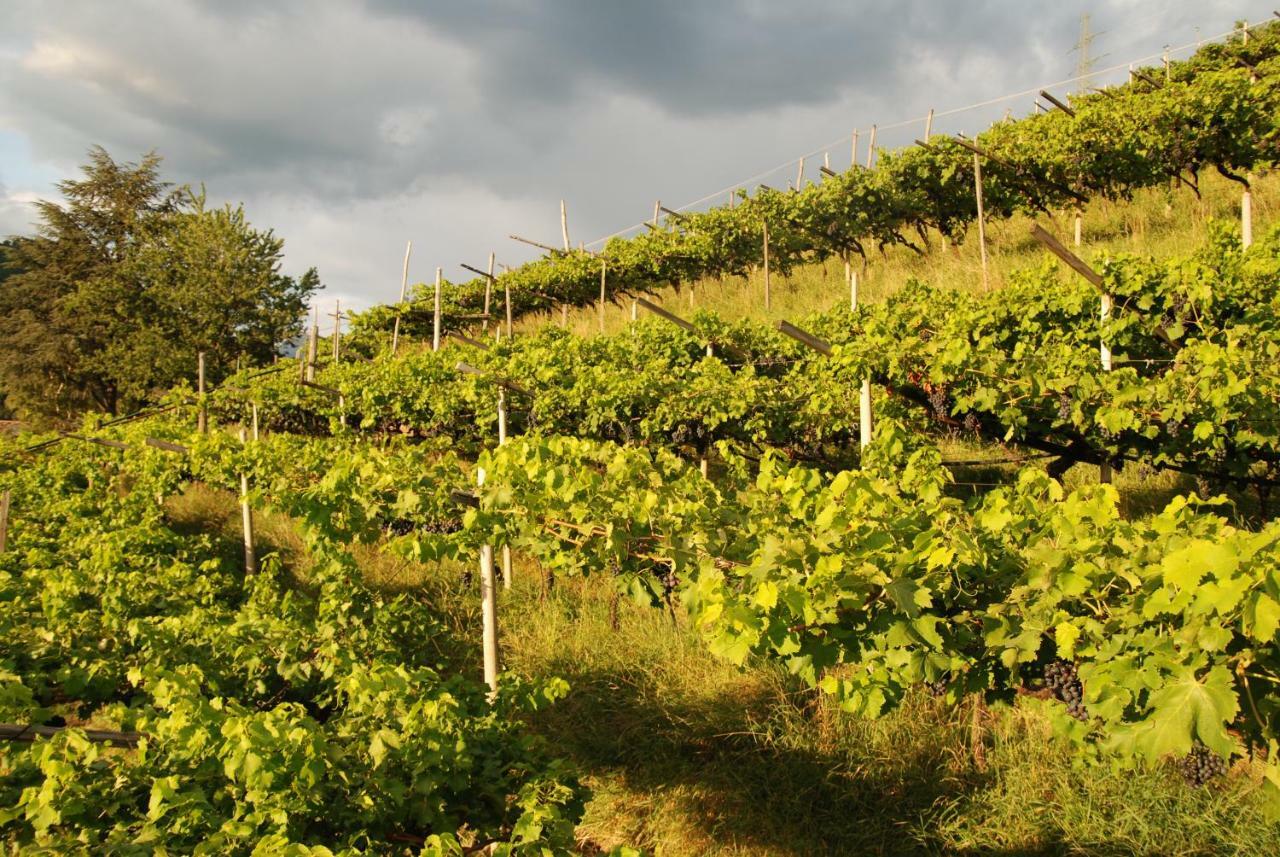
{"x":108,"y":304}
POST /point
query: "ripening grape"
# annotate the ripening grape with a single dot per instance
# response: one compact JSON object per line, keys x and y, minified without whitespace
{"x":971,"y":423}
{"x":938,"y":401}
{"x":1061,"y":678}
{"x":1064,"y":407}
{"x":1202,"y":765}
{"x":937,"y":688}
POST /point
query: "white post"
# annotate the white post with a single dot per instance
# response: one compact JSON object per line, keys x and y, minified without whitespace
{"x":633,"y":309}
{"x":1104,"y":352}
{"x":928,"y":125}
{"x":800,"y":174}
{"x":404,"y":287}
{"x":603,"y":266}
{"x":982,"y":229}
{"x":853,"y":157}
{"x":871,"y":148}
{"x":826,"y":160}
{"x":1246,"y":218}
{"x":864,"y":394}
{"x":255,"y":421}
{"x":488,"y":609}
{"x":202,"y":417}
{"x":246,"y":515}
{"x":564,"y":224}
{"x":1079,"y":227}
{"x":435,"y":330}
{"x":766,"y":265}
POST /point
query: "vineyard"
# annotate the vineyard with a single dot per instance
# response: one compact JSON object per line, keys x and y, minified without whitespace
{"x":789,"y":495}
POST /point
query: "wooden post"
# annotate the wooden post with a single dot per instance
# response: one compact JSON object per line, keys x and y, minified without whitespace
{"x":488,"y":295}
{"x":633,"y":309}
{"x":506,"y":298}
{"x":488,"y":609}
{"x":202,"y":416}
{"x":928,"y":125}
{"x":853,"y":156}
{"x":826,"y":160}
{"x":851,"y":278}
{"x":502,"y":439}
{"x":404,"y":287}
{"x":313,"y":348}
{"x":1246,"y":218}
{"x":733,"y":197}
{"x":1166,"y":67}
{"x":255,"y":421}
{"x":1079,"y":228}
{"x":603,"y":266}
{"x":982,"y":229}
{"x":871,"y":148}
{"x":564,"y":225}
{"x":1104,"y":352}
{"x":657,"y":209}
{"x":800,"y":174}
{"x":435,"y":325}
{"x":564,"y":315}
{"x":246,"y":514}
{"x":766,"y":265}
{"x":337,"y":331}
{"x":5,"y":496}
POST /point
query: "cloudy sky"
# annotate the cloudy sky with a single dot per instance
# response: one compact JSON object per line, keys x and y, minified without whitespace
{"x":351,"y":127}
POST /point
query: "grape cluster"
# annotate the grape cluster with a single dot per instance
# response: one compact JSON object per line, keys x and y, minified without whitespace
{"x":1061,"y":678}
{"x":1202,"y":765}
{"x":937,"y":688}
{"x":938,"y":401}
{"x":971,"y":423}
{"x":1172,"y":426}
{"x":669,"y":580}
{"x":1064,"y":408}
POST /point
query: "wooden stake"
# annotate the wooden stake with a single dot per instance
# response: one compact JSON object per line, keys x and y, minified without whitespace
{"x":488,"y":609}
{"x":800,"y":174}
{"x":255,"y":421}
{"x":246,"y":514}
{"x":603,"y":265}
{"x":864,"y":414}
{"x":633,"y":309}
{"x":313,"y":348}
{"x":982,"y":229}
{"x":853,"y":152}
{"x":851,"y":277}
{"x":826,"y":160}
{"x":506,"y":297}
{"x":404,"y":288}
{"x":337,"y":331}
{"x":502,"y":439}
{"x":1079,"y":228}
{"x":488,"y":294}
{"x":435,"y":324}
{"x":928,"y":125}
{"x":766,"y":265}
{"x":657,"y":209}
{"x":871,"y":148}
{"x":564,"y":315}
{"x":733,"y":196}
{"x":5,"y":497}
{"x":202,"y":417}
{"x":564,"y":225}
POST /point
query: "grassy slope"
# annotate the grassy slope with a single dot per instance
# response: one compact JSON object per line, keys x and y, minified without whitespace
{"x":688,"y":755}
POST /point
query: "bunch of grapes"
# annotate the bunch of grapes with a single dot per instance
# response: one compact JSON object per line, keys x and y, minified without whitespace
{"x":669,"y":580}
{"x":971,"y":423}
{"x":400,"y":527}
{"x":938,"y":401}
{"x":937,"y":688}
{"x":1061,"y":678}
{"x":1201,"y":765}
{"x":1172,"y":426}
{"x":1064,"y":407}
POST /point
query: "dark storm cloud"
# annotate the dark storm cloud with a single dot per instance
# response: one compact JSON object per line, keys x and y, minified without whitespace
{"x":350,"y":127}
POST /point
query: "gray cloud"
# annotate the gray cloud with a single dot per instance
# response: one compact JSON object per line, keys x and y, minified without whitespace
{"x":351,"y":127}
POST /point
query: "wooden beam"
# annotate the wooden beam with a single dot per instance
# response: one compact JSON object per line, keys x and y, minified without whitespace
{"x":681,"y":323}
{"x":477,"y":271}
{"x":24,"y":732}
{"x":977,"y":150}
{"x":555,"y":251}
{"x":100,"y":441}
{"x":1075,"y":262}
{"x":467,"y":369}
{"x":805,"y":338}
{"x":467,"y":340}
{"x":167,"y":446}
{"x":677,"y":215}
{"x":1056,"y":103}
{"x":337,"y":394}
{"x":827,"y":171}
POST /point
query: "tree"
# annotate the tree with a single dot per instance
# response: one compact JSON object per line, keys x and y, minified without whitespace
{"x":126,"y":282}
